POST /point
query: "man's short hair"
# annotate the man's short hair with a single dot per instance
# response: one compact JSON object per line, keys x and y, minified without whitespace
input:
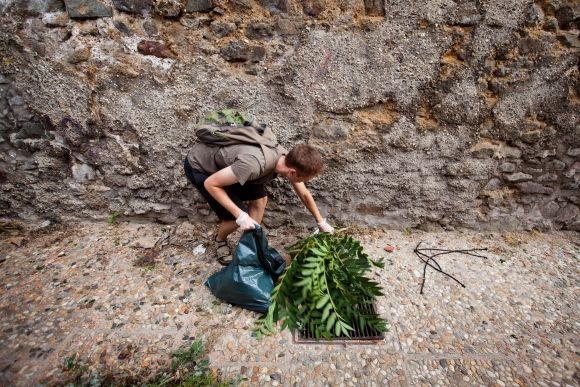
{"x":305,"y":159}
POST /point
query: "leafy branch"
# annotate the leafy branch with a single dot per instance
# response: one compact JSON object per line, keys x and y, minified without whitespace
{"x":324,"y":289}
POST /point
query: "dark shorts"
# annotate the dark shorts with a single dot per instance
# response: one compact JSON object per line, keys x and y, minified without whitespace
{"x":238,"y":193}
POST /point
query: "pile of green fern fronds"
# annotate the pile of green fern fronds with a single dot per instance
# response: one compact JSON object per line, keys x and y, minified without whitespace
{"x":324,"y":289}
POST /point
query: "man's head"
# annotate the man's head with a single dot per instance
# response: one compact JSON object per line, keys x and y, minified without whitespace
{"x":303,"y":163}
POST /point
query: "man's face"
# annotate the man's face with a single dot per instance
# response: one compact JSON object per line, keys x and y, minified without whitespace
{"x":294,"y":177}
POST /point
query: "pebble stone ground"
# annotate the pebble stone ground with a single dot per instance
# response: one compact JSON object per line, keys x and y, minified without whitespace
{"x":121,"y":298}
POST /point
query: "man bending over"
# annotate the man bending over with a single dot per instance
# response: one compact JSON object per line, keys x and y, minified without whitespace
{"x":231,"y":178}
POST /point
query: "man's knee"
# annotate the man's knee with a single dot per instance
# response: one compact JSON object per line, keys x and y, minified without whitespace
{"x":259,"y":203}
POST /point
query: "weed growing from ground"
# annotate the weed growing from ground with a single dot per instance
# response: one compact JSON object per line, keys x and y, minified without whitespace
{"x":114,"y":218}
{"x":188,"y":369}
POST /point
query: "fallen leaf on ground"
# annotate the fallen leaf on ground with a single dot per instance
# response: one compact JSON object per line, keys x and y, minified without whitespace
{"x":390,"y":248}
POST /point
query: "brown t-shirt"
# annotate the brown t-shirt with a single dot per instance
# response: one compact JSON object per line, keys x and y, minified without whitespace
{"x":247,"y":161}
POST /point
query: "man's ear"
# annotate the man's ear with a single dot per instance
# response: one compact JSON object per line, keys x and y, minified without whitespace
{"x":292,"y":172}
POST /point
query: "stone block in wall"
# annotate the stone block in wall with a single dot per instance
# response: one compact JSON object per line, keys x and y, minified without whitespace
{"x":236,"y":51}
{"x":158,"y":49}
{"x":33,"y":7}
{"x":518,"y":176}
{"x":486,"y":148}
{"x":122,"y":27}
{"x":78,"y":55}
{"x":546,"y":153}
{"x":169,"y":8}
{"x":531,"y":136}
{"x":276,"y":5}
{"x":533,"y":15}
{"x":571,"y":185}
{"x":375,"y":7}
{"x":55,"y":19}
{"x":507,"y":167}
{"x":555,"y":165}
{"x":274,"y":220}
{"x":569,"y":39}
{"x":534,"y":188}
{"x":532,"y":46}
{"x":258,"y":54}
{"x":241,"y":4}
{"x":221,"y":29}
{"x":82,"y":172}
{"x":207,"y":48}
{"x":259,"y":30}
{"x":548,"y":177}
{"x":287,"y":27}
{"x":568,"y":214}
{"x":150,"y":28}
{"x":240,"y":51}
{"x":169,"y":218}
{"x":532,"y":170}
{"x":565,"y":16}
{"x":133,"y":6}
{"x":199,"y":5}
{"x":570,"y":173}
{"x":493,"y":184}
{"x":573,"y":152}
{"x":30,"y":130}
{"x":313,"y":7}
{"x":80,"y":9}
{"x":550,"y":209}
{"x":550,"y":24}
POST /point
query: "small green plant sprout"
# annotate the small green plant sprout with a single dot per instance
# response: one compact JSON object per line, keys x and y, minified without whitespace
{"x":78,"y":373}
{"x":323,"y":289}
{"x":189,"y":369}
{"x":114,"y":217}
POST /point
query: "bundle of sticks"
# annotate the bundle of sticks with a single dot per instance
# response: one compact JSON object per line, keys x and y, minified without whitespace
{"x":427,"y":255}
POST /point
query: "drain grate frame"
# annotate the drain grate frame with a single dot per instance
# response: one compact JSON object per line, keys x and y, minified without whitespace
{"x":366,"y":335}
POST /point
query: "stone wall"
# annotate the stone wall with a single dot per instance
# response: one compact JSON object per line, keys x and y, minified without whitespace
{"x":429,"y":114}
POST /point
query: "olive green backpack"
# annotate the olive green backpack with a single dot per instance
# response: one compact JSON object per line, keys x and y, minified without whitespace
{"x":231,"y":127}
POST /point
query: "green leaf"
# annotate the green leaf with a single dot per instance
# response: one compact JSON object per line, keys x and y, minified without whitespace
{"x":346,"y":326}
{"x":318,"y":252}
{"x":326,"y":312}
{"x":269,"y":321}
{"x":305,"y":281}
{"x":330,"y":322}
{"x":337,"y":328}
{"x":322,"y":301}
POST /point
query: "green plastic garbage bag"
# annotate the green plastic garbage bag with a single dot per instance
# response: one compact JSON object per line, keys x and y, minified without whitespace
{"x":249,"y":279}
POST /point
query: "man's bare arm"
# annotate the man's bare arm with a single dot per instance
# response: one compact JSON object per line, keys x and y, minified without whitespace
{"x":215,"y":186}
{"x":306,"y":198}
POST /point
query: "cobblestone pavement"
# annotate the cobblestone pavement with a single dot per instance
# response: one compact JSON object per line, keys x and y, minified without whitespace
{"x":121,"y":298}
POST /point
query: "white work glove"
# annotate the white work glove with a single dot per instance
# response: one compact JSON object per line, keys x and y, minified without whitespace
{"x":325,"y":227}
{"x":245,"y":222}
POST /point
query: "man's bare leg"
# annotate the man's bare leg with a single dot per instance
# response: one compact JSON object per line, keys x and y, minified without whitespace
{"x":226,"y":228}
{"x":256,"y":209}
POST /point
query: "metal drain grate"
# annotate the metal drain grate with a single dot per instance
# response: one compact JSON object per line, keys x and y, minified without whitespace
{"x":360,"y":335}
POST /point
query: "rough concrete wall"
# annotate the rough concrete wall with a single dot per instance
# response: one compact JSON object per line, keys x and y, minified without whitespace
{"x":433,"y":114}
